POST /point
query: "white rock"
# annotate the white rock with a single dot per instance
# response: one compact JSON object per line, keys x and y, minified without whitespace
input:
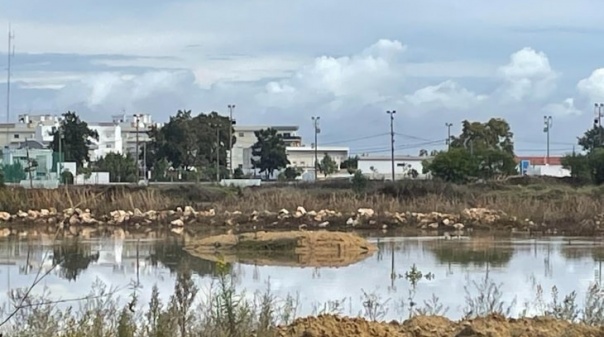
{"x":301,"y":210}
{"x":283,"y":212}
{"x":177,"y":223}
{"x":458,"y":226}
{"x":4,"y":216}
{"x":350,"y":221}
{"x":433,"y":225}
{"x":446,"y":222}
{"x":323,"y":224}
{"x":368,"y":212}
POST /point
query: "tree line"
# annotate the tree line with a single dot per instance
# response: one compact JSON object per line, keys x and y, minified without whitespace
{"x":187,"y":147}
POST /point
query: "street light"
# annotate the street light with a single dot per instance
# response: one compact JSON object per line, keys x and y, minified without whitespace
{"x":547,"y":121}
{"x":232,"y":122}
{"x":448,"y":125}
{"x":315,"y":120}
{"x":137,"y":121}
{"x":391,"y":113}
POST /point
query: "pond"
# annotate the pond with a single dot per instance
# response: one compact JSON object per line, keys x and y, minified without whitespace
{"x":452,"y":270}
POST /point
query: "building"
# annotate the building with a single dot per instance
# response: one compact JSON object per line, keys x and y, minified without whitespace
{"x":380,"y":167}
{"x":43,"y":157}
{"x":110,"y":140}
{"x":540,"y":166}
{"x":246,"y":138}
{"x":304,"y":156}
{"x":13,"y":134}
{"x":131,"y":126}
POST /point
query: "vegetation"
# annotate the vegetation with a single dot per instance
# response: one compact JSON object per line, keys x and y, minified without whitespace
{"x":351,"y":164}
{"x":588,"y":166}
{"x":268,"y":152}
{"x":328,"y":166}
{"x":121,"y":168}
{"x":481,"y":151}
{"x":290,"y":173}
{"x":74,"y":138}
{"x":13,"y":173}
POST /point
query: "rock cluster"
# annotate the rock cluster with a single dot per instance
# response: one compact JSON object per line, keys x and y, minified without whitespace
{"x":180,"y":218}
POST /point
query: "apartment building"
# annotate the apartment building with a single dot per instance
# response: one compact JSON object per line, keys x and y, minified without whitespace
{"x":131,"y":126}
{"x":246,"y":138}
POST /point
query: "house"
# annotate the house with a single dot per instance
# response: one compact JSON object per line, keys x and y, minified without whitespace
{"x":541,"y":166}
{"x":380,"y":167}
{"x":304,"y":156}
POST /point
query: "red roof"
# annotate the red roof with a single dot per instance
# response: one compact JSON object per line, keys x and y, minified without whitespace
{"x":540,"y":160}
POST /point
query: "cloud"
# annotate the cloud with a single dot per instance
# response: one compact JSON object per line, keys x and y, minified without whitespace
{"x":593,"y":86}
{"x":528,"y":75}
{"x":564,"y":109}
{"x":367,"y":77}
{"x":448,"y":94}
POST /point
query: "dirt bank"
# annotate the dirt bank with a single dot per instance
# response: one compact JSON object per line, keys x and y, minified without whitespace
{"x":433,"y":326}
{"x":293,"y":248}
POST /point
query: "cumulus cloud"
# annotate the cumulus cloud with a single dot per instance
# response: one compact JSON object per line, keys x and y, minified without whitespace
{"x":593,"y":86}
{"x":563,"y":109}
{"x":528,"y":75}
{"x":365,"y":78}
{"x":448,"y":94}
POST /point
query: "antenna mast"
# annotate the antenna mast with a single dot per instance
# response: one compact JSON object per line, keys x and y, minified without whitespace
{"x":10,"y":52}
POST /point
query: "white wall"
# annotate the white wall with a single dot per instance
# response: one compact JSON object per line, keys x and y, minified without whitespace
{"x":383,"y":168}
{"x":548,"y":170}
{"x":304,"y":157}
{"x":95,"y":178}
{"x":110,"y":141}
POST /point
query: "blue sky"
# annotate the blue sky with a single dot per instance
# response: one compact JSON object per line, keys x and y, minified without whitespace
{"x":283,"y":62}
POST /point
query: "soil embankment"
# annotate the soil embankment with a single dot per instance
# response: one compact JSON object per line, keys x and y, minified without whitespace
{"x":435,"y":326}
{"x":292,"y":248}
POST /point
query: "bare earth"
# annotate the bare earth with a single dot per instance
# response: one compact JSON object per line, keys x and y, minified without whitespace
{"x":293,"y":248}
{"x":434,"y":326}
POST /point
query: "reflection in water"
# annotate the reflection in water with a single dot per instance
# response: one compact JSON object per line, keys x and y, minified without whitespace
{"x":517,"y":264}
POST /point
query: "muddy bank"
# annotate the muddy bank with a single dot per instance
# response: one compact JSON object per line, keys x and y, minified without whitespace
{"x":184,"y":219}
{"x":292,"y":248}
{"x":433,"y":326}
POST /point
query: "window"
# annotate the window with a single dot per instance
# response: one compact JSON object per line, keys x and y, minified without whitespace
{"x":108,"y":146}
{"x":16,"y":136}
{"x":302,"y":163}
{"x":240,"y":134}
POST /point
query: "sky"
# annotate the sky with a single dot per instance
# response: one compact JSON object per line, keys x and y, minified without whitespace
{"x":282,"y":62}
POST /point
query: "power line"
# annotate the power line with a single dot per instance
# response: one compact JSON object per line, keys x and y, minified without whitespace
{"x":356,"y":139}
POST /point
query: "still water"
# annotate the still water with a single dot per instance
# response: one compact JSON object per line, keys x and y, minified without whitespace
{"x":517,"y":265}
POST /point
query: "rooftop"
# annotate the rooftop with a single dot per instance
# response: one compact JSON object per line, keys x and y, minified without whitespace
{"x":540,"y":160}
{"x":389,"y":158}
{"x":319,"y":148}
{"x":261,"y":127}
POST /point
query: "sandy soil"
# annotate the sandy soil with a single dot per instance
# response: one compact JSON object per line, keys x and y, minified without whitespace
{"x":293,"y":248}
{"x":433,"y":326}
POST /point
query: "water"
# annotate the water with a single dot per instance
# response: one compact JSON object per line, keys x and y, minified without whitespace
{"x":519,"y":265}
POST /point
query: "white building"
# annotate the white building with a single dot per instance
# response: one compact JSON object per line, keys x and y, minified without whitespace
{"x":246,"y":138}
{"x":110,"y":140}
{"x":541,"y":166}
{"x":304,"y":156}
{"x":380,"y":167}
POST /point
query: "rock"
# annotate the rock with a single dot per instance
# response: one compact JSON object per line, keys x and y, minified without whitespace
{"x":283,"y":212}
{"x":21,"y":214}
{"x":177,"y":230}
{"x":433,"y":225}
{"x":298,"y":214}
{"x":311,"y":213}
{"x":4,"y":232}
{"x":177,"y":223}
{"x":74,"y":220}
{"x":447,"y":222}
{"x":302,"y":227}
{"x":4,"y":216}
{"x":44,"y":212}
{"x":301,"y":209}
{"x":318,"y":218}
{"x":384,"y":226}
{"x":137,"y":212}
{"x":400,"y":219}
{"x":32,"y":215}
{"x":178,"y":209}
{"x":458,"y":226}
{"x":323,"y":224}
{"x":190,"y":211}
{"x":351,"y":222}
{"x":366,"y":212}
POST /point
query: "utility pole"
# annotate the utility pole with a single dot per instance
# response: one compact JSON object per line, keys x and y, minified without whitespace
{"x":598,"y":112}
{"x":391,"y":113}
{"x":231,"y":124}
{"x":10,"y":52}
{"x":217,"y":154}
{"x":448,"y":125}
{"x":547,"y":121}
{"x":60,"y":162}
{"x":138,"y":168}
{"x":145,"y":161}
{"x":315,"y":120}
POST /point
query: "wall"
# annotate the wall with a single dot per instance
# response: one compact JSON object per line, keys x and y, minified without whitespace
{"x":96,"y":178}
{"x":304,"y":157}
{"x":548,"y":170}
{"x":383,"y":168}
{"x":110,"y":141}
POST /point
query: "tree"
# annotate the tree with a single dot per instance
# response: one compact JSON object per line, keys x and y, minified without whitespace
{"x":291,"y":173}
{"x":328,"y":166}
{"x":14,"y":173}
{"x":238,"y":173}
{"x":591,"y":138}
{"x":269,"y":152}
{"x":190,"y":142}
{"x":121,"y":168}
{"x":423,"y":153}
{"x":483,"y":150}
{"x":578,"y":164}
{"x":351,"y":164}
{"x":76,"y":139}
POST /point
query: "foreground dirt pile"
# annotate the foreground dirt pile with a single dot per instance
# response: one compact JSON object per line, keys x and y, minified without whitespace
{"x":434,"y":326}
{"x":292,"y":248}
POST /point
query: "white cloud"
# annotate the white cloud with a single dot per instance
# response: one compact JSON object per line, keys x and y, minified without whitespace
{"x":566,"y":108}
{"x":593,"y":86}
{"x":448,"y":94}
{"x":528,"y":75}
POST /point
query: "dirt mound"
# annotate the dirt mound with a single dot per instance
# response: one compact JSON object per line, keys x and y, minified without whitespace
{"x":434,"y":326}
{"x":294,"y":248}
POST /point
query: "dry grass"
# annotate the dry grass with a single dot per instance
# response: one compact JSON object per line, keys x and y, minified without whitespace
{"x":551,"y":202}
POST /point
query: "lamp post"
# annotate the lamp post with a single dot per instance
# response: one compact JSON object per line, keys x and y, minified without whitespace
{"x":448,"y":125}
{"x":547,"y":121}
{"x":315,"y":120}
{"x":232,"y":122}
{"x":391,"y":113}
